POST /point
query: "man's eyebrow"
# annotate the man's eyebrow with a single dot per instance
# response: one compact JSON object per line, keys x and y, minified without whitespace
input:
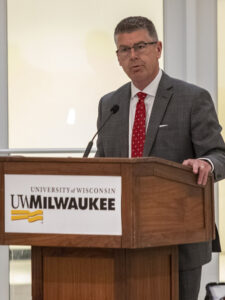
{"x":133,"y":44}
{"x":124,"y":46}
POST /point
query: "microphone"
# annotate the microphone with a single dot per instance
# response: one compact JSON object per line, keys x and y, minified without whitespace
{"x":114,"y":109}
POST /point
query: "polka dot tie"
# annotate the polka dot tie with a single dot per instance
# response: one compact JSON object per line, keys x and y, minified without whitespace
{"x":138,"y":133}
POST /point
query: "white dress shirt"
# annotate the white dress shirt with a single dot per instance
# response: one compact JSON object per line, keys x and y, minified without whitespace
{"x":150,"y":90}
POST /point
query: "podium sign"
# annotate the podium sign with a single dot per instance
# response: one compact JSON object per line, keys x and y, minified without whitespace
{"x":63,"y":204}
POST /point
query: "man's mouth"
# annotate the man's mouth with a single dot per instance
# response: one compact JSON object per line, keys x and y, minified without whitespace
{"x":136,"y":68}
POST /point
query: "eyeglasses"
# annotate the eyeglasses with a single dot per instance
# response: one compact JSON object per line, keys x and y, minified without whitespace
{"x":139,"y":48}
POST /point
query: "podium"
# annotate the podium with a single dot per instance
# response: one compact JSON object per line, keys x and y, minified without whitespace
{"x":161,"y":207}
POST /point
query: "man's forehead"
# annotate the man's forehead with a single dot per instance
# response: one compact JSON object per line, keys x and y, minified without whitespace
{"x":133,"y":37}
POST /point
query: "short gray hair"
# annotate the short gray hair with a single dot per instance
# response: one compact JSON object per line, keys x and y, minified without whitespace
{"x":131,"y":24}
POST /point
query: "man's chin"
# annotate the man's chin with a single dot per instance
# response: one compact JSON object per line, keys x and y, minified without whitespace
{"x":140,"y":81}
{"x":137,"y":77}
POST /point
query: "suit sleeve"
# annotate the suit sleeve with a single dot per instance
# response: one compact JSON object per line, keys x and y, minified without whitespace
{"x":206,"y":133}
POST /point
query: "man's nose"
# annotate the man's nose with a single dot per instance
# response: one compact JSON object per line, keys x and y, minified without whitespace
{"x":133,"y":53}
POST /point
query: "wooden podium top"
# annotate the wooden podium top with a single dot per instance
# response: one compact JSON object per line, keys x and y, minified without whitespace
{"x":161,"y":202}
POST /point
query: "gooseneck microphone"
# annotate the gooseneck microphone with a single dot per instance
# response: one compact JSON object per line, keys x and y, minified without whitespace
{"x":113,"y":110}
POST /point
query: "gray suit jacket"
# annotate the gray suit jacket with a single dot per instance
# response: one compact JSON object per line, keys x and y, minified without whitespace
{"x":192,"y":131}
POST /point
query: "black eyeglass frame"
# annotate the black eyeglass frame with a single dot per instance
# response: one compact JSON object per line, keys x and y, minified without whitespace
{"x":136,"y":45}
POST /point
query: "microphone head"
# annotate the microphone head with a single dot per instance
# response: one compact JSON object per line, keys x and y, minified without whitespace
{"x":115,"y":108}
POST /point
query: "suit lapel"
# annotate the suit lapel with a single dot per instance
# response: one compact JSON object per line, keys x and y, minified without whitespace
{"x":162,"y":99}
{"x":123,"y":95}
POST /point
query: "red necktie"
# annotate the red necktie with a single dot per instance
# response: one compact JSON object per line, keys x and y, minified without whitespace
{"x":138,"y":133}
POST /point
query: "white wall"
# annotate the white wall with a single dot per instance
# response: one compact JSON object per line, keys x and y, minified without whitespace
{"x":61,"y":64}
{"x":3,"y":76}
{"x":4,"y":253}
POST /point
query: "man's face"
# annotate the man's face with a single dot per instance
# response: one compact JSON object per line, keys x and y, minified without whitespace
{"x":140,"y":66}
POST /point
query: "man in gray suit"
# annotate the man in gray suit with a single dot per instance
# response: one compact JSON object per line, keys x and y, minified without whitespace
{"x":180,"y":124}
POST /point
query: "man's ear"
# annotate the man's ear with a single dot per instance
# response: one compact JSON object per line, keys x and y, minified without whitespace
{"x":159,"y":49}
{"x":115,"y":40}
{"x":118,"y":59}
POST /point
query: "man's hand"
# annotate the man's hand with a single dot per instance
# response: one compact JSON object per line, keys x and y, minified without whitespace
{"x":200,"y":167}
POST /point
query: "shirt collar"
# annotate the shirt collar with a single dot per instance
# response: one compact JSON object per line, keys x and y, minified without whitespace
{"x":150,"y":89}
